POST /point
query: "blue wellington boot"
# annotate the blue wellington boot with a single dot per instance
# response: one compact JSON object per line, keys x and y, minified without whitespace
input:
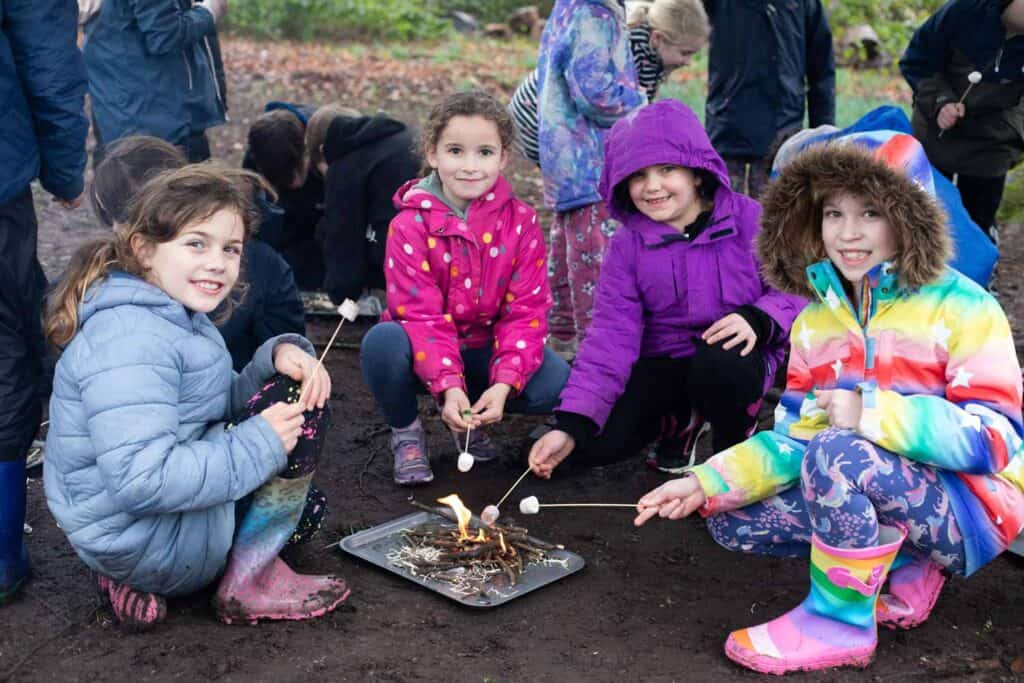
{"x":14,"y":565}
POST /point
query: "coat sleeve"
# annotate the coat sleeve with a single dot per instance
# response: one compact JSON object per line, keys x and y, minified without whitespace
{"x":342,"y":232}
{"x":821,"y":68}
{"x":522,"y":324}
{"x":612,"y":345}
{"x":926,"y":58}
{"x":768,"y":462}
{"x":130,"y":398}
{"x":600,"y":74}
{"x":42,"y":36}
{"x":260,"y":369}
{"x":417,"y":303}
{"x":976,"y":426}
{"x":165,"y":28}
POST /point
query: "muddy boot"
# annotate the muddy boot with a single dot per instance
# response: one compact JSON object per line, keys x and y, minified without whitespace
{"x":835,"y":624}
{"x":913,"y":589}
{"x":135,"y":610}
{"x":258,"y":584}
{"x":14,"y":565}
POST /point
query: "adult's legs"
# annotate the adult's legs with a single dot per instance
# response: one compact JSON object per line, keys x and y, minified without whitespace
{"x":20,"y":374}
{"x":981,"y":197}
{"x":747,"y":174}
{"x":196,"y":147}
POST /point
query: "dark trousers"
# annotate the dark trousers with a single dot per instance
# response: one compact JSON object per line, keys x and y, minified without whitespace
{"x":748,"y":175}
{"x":981,"y":198}
{"x":721,"y":386}
{"x":21,"y":340}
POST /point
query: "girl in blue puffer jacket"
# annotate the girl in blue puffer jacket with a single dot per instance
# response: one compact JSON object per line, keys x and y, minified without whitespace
{"x":155,"y":444}
{"x":685,"y":330}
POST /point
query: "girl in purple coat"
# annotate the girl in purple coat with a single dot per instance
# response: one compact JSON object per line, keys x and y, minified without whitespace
{"x":685,"y":332}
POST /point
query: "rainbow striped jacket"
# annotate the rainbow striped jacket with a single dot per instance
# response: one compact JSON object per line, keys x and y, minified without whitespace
{"x":941,"y":385}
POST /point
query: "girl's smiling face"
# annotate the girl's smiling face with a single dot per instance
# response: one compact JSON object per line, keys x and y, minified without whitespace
{"x":200,"y":265}
{"x":857,"y":236}
{"x":666,"y":193}
{"x":468,"y":157}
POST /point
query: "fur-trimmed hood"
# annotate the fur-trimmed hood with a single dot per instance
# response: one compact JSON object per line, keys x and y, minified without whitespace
{"x":890,"y":168}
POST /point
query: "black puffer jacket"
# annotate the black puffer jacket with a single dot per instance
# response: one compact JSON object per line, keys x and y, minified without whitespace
{"x":368,"y":159}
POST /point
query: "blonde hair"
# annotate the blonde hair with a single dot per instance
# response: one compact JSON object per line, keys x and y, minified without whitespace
{"x":165,"y":205}
{"x":677,"y":20}
{"x":318,"y":125}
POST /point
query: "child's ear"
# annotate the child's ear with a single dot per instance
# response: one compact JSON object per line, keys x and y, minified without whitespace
{"x":431,"y":158}
{"x":504,"y":158}
{"x":141,"y":249}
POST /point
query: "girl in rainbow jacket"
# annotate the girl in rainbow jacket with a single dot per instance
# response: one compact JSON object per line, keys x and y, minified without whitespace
{"x":897,"y":443}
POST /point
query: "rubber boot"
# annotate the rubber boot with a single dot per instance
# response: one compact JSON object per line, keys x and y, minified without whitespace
{"x":835,"y":624}
{"x":14,"y":564}
{"x":257,"y":583}
{"x":914,"y":586}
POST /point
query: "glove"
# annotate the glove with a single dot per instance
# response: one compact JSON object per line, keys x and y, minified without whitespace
{"x":218,"y":8}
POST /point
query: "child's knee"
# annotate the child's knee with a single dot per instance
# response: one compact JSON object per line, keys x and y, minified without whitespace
{"x":385,"y":343}
{"x":832,"y":454}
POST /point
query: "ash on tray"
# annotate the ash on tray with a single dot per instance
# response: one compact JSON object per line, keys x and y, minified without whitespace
{"x":471,"y":564}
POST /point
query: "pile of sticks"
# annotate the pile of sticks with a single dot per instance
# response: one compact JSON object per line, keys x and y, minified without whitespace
{"x":433,"y":551}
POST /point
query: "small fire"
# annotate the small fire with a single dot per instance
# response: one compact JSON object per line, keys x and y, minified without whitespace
{"x":462,"y":513}
{"x":480,"y":537}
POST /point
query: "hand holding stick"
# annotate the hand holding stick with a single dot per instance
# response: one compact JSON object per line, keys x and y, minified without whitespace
{"x":973,"y":79}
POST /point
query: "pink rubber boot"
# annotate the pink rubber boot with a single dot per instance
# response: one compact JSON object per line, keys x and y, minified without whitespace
{"x":258,"y":584}
{"x":835,"y":624}
{"x":913,"y":589}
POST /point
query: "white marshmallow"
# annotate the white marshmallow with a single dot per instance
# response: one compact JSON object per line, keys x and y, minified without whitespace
{"x":490,"y":515}
{"x":529,"y":505}
{"x":465,"y":463}
{"x":974,"y":77}
{"x":349,"y":310}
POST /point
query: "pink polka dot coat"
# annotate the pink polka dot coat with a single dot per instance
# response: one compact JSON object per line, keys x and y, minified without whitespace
{"x":458,"y":284}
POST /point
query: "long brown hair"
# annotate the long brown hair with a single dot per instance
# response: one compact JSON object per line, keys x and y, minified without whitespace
{"x":166,"y":204}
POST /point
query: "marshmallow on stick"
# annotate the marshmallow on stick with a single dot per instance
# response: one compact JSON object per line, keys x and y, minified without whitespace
{"x":465,"y":462}
{"x":531,"y":506}
{"x":349,"y":311}
{"x":973,"y":79}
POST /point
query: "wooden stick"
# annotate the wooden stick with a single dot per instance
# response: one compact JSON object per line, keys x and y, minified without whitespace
{"x":320,"y":363}
{"x":521,"y":477}
{"x":588,"y":505}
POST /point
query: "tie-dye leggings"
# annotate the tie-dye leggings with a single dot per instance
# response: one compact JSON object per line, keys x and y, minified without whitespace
{"x":848,"y":486}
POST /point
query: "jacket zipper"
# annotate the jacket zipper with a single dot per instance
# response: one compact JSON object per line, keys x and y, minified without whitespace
{"x":999,"y":58}
{"x":213,"y":72}
{"x":188,"y":69}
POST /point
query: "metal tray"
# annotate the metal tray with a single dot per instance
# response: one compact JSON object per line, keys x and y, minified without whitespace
{"x":372,"y":545}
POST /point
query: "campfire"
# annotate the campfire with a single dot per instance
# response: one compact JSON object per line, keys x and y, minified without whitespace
{"x":471,"y":561}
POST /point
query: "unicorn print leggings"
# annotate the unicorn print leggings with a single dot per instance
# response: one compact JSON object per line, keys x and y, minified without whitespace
{"x":848,"y":486}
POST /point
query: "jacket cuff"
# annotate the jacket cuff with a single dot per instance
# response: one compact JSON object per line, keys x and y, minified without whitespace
{"x":580,"y":427}
{"x":763,"y":325}
{"x":712,"y":483}
{"x":444,"y":382}
{"x":508,"y":376}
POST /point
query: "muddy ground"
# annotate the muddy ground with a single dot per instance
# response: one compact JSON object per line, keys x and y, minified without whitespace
{"x":651,"y":605}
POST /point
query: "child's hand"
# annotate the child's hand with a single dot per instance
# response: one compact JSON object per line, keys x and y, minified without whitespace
{"x":549,"y":451}
{"x":843,"y":407}
{"x":293,"y":362}
{"x":287,"y":420}
{"x":456,"y":412}
{"x":950,"y":114}
{"x":735,"y":329}
{"x":672,"y":500}
{"x":490,"y":407}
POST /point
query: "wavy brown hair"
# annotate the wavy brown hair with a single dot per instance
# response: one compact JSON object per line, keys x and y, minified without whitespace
{"x":166,"y":204}
{"x":469,"y":103}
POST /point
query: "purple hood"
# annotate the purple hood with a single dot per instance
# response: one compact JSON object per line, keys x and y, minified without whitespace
{"x":666,"y":132}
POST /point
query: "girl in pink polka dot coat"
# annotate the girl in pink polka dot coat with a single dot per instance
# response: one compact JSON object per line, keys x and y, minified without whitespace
{"x":467,"y":292}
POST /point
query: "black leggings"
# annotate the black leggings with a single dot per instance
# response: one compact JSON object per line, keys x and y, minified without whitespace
{"x":981,"y":197}
{"x":721,"y":386}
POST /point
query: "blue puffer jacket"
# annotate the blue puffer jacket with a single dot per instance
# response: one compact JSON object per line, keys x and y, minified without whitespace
{"x":154,"y":69}
{"x":141,"y":473}
{"x":42,"y":90}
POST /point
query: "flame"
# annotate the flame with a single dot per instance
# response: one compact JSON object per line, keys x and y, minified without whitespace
{"x":480,"y":537}
{"x":501,"y":540}
{"x":462,"y":513}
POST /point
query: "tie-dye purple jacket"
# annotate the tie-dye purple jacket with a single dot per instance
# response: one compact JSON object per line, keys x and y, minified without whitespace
{"x":587,"y":81}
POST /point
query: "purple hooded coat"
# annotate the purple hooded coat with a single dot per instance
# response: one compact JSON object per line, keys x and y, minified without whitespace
{"x":656,"y":298}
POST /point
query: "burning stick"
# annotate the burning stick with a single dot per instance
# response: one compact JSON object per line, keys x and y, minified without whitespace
{"x":973,"y":79}
{"x":531,"y":506}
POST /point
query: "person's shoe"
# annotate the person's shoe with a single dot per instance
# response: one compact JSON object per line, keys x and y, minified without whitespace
{"x":14,"y":562}
{"x":135,"y":610}
{"x":481,"y":447}
{"x":912,"y":591}
{"x":257,"y":584}
{"x":412,"y":459}
{"x":835,"y":624}
{"x":677,"y":450}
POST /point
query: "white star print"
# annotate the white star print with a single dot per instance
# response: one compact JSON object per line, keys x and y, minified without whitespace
{"x":962,"y":378}
{"x":785,"y":448}
{"x":972,"y":421}
{"x":940,"y":334}
{"x":837,"y":367}
{"x":780,"y":413}
{"x":805,"y":336}
{"x":831,"y":299}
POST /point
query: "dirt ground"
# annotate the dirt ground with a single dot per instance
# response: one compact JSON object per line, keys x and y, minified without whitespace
{"x":651,"y":605}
